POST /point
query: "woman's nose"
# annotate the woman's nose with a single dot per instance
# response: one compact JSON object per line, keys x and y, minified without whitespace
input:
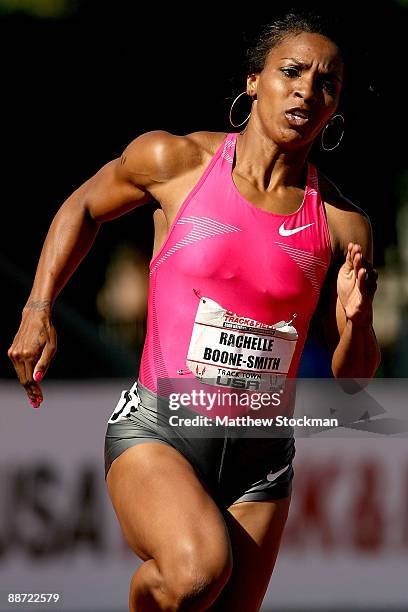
{"x":305,"y":89}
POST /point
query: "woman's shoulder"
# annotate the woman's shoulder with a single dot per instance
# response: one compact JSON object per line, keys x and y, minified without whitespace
{"x":165,"y":155}
{"x":347,"y":221}
{"x":332,"y":196}
{"x":206,"y":141}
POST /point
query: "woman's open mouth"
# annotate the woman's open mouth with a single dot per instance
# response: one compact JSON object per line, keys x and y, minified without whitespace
{"x":297,"y":116}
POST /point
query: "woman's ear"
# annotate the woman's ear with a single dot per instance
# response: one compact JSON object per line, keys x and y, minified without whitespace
{"x":252,"y":84}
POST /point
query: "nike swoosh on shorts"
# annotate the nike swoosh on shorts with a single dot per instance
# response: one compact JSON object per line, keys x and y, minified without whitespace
{"x":274,"y":475}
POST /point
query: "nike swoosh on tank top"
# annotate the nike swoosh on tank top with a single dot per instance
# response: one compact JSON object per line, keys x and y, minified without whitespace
{"x":252,"y":264}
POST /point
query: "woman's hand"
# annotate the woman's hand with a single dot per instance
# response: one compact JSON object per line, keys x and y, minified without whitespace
{"x":33,"y":348}
{"x":356,"y":285}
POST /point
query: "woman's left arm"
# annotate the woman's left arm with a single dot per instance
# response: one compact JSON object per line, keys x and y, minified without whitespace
{"x":355,"y":351}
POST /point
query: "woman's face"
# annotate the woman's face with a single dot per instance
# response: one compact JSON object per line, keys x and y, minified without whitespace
{"x":298,"y":90}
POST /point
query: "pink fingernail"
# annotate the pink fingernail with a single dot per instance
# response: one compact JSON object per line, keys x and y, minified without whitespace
{"x":34,"y":404}
{"x":38,"y":376}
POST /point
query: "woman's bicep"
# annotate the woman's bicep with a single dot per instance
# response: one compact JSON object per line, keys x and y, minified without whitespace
{"x":110,"y":193}
{"x":124,"y":183}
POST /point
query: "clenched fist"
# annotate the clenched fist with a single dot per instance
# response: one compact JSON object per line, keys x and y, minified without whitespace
{"x":356,"y":285}
{"x":33,"y":348}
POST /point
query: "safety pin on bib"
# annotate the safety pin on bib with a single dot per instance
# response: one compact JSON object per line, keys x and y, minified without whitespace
{"x":198,"y":294}
{"x":294,"y":315}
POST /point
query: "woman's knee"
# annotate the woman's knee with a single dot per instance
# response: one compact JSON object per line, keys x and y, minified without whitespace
{"x":197,"y":576}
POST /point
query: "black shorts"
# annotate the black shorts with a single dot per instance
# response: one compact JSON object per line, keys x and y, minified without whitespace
{"x":232,"y":467}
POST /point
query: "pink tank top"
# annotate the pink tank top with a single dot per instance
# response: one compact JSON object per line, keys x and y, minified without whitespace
{"x":227,"y":273}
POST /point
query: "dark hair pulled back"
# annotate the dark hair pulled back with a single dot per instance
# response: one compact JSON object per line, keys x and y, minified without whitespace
{"x":290,"y":24}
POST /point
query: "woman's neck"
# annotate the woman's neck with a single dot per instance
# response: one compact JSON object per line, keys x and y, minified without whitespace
{"x":263,"y":163}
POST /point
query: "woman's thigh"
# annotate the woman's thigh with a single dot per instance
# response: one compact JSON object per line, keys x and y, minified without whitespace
{"x":164,"y":510}
{"x":255,"y":530}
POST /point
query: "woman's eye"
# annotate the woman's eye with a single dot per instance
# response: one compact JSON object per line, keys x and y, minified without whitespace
{"x":291,"y":72}
{"x":329,"y":86}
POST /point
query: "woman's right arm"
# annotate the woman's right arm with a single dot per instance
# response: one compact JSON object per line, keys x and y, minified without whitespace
{"x":118,"y":187}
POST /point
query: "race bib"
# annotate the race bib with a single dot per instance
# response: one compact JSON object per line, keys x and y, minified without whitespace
{"x":251,"y":354}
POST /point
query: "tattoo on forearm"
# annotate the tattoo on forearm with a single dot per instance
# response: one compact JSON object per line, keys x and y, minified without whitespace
{"x":38,"y":305}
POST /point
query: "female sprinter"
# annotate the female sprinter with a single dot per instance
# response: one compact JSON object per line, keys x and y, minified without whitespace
{"x":248,"y":223}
